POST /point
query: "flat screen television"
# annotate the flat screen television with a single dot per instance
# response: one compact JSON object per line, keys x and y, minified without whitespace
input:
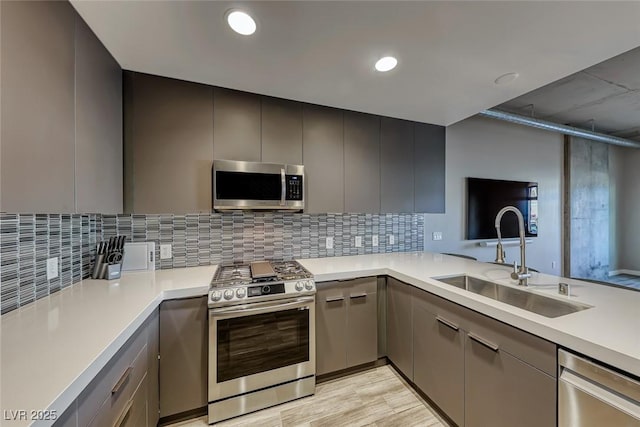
{"x":485,"y":197}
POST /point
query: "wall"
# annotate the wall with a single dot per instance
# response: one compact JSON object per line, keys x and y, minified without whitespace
{"x":197,"y":239}
{"x":629,"y":208}
{"x":61,"y":121}
{"x":485,"y":148}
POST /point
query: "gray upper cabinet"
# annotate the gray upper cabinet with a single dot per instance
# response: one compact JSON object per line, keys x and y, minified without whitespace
{"x":323,"y":150}
{"x":172,"y":134}
{"x":98,"y":125}
{"x":281,"y":131}
{"x":236,"y":121}
{"x":396,"y":166}
{"x":429,"y":165}
{"x":37,"y":58}
{"x":362,"y":162}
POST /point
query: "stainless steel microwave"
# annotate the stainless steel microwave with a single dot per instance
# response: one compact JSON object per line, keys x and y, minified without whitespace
{"x":257,"y":186}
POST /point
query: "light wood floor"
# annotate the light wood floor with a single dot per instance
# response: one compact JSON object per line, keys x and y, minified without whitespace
{"x":378,"y":397}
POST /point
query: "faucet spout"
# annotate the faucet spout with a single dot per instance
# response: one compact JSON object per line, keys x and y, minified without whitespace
{"x":522,"y":274}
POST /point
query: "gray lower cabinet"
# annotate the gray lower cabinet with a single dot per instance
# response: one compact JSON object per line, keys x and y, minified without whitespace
{"x":501,"y":390}
{"x":480,"y":371}
{"x":346,"y":324}
{"x":438,"y":351}
{"x":124,"y":392}
{"x":183,"y":355}
{"x":399,"y":326}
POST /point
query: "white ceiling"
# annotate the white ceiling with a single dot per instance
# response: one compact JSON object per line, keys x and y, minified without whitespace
{"x":323,"y":52}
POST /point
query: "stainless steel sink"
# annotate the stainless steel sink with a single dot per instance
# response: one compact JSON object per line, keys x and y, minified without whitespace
{"x":545,"y":306}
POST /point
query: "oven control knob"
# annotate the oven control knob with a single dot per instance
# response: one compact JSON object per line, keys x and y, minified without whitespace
{"x":228,"y":294}
{"x":299,"y":286}
{"x":241,"y":292}
{"x":308,"y":284}
{"x":266,"y":289}
{"x":216,"y":295}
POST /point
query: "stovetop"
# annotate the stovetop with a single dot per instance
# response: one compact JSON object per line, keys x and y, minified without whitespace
{"x":242,"y":283}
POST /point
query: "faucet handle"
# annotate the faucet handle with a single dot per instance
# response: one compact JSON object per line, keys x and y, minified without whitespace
{"x":515,"y":266}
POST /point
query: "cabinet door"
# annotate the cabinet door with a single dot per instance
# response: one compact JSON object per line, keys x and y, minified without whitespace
{"x":281,"y":131}
{"x":399,"y":326}
{"x":331,"y":321}
{"x":323,"y":154}
{"x":170,"y":138}
{"x":429,"y":165}
{"x":501,"y":390}
{"x":396,"y":165}
{"x":153,"y":373}
{"x":236,"y":121}
{"x":362,"y":325}
{"x":362,"y":162}
{"x":37,"y":129}
{"x":438,"y":351}
{"x":183,"y":355}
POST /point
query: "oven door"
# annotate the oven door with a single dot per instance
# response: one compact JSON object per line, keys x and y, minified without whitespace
{"x":259,"y":345}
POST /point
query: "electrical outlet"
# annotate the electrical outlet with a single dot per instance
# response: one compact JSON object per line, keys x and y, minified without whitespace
{"x":52,"y":268}
{"x":165,"y":251}
{"x":437,"y":235}
{"x":374,"y":240}
{"x":358,"y":241}
{"x":392,"y":239}
{"x":329,"y":243}
{"x":553,"y":265}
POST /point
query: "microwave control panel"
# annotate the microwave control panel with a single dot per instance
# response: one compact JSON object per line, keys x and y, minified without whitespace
{"x":294,"y":187}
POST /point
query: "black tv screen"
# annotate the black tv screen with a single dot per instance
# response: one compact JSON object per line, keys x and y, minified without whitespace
{"x":485,"y":198}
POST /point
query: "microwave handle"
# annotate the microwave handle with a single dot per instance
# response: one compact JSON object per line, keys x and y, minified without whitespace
{"x":283,"y":186}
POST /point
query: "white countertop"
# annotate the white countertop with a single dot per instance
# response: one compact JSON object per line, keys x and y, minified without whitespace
{"x":609,"y":331}
{"x":51,"y":349}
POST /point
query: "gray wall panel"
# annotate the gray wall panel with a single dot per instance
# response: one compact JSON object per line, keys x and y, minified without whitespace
{"x":323,"y":151}
{"x":236,"y":135}
{"x":429,"y":164}
{"x":98,"y":113}
{"x":362,"y":162}
{"x":396,"y":165}
{"x":281,"y":131}
{"x":37,"y":60}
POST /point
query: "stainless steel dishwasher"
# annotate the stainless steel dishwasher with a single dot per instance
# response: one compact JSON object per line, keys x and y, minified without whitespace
{"x":590,"y":395}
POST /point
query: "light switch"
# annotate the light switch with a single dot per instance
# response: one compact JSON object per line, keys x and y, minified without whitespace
{"x":374,"y":240}
{"x":392,"y":239}
{"x":437,"y":235}
{"x":329,"y":243}
{"x":52,"y":268}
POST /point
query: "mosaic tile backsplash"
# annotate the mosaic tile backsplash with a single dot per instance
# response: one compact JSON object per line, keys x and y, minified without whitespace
{"x":28,"y":240}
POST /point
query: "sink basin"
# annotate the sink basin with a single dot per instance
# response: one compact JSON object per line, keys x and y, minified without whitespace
{"x":545,"y":306}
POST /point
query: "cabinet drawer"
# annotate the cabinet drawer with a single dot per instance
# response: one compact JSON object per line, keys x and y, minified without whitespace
{"x":529,"y":348}
{"x":116,"y":383}
{"x":117,"y":404}
{"x":445,"y":311}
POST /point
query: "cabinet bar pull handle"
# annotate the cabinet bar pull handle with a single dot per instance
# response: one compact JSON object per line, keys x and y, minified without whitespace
{"x":361,"y":295}
{"x":116,"y":388}
{"x":334,"y":299}
{"x":124,"y":414}
{"x":445,"y":322}
{"x":484,"y":342}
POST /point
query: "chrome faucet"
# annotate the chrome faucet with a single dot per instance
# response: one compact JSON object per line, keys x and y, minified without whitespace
{"x":522,"y":274}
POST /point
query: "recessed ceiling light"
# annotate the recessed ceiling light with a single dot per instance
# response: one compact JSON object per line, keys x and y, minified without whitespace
{"x":506,"y":78}
{"x":241,"y":22}
{"x":387,"y":63}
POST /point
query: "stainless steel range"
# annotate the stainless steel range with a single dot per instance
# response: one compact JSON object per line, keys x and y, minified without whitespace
{"x":261,"y":337}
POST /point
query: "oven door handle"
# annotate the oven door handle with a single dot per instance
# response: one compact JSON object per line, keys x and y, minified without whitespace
{"x":221,"y":313}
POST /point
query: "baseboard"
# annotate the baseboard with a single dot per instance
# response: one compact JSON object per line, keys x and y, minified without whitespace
{"x":624,"y":271}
